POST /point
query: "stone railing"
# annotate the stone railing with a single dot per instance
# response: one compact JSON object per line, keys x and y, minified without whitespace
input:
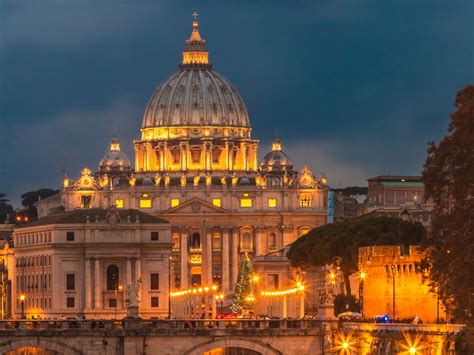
{"x":404,"y":327}
{"x":204,"y":324}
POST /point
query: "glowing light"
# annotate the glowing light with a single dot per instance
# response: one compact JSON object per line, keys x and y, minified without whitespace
{"x":345,"y":345}
{"x":22,"y":297}
{"x":412,"y":350}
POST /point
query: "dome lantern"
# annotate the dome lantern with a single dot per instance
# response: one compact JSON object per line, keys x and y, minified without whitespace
{"x":195,"y":53}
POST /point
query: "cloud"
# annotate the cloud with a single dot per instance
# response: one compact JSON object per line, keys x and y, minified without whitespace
{"x":324,"y":157}
{"x":69,"y":24}
{"x":69,"y":141}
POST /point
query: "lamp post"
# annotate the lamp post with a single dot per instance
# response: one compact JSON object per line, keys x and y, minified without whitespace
{"x":22,"y":302}
{"x":169,"y":287}
{"x":394,"y":268}
{"x":117,"y":288}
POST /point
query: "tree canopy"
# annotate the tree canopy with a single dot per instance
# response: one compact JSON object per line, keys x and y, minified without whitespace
{"x":448,"y":176}
{"x":353,"y":191}
{"x":6,"y":210}
{"x":30,"y":198}
{"x":321,"y":245}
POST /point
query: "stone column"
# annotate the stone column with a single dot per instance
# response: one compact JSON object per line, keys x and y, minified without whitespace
{"x":128,"y":272}
{"x":184,"y":258}
{"x":88,"y":285}
{"x":243,"y":149}
{"x":226,"y":152}
{"x":97,"y":286}
{"x":138,"y":270}
{"x":231,"y":156}
{"x":235,"y":255}
{"x":225,"y":260}
{"x":259,"y":240}
{"x":184,"y":155}
{"x":209,"y":257}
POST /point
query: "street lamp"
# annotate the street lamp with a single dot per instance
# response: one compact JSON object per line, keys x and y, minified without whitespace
{"x":169,"y":286}
{"x":22,"y":302}
{"x":118,"y":288}
{"x":394,"y":268}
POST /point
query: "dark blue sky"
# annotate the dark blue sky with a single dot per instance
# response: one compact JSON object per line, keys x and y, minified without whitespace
{"x":353,"y":88}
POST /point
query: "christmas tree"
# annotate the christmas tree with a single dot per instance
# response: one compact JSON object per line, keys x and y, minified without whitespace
{"x":243,"y":287}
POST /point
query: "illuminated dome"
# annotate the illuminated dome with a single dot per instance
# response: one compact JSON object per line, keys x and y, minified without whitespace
{"x":114,"y":160}
{"x":276,"y":159}
{"x":195,"y":95}
{"x":196,"y":122}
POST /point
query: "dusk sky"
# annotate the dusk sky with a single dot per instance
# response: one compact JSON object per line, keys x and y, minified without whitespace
{"x":353,"y":88}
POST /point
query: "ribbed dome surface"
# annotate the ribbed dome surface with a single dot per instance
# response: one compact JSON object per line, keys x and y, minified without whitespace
{"x":196,"y":97}
{"x":115,"y":160}
{"x":276,"y":159}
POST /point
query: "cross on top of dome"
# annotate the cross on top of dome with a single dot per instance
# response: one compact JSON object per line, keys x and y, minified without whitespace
{"x":195,"y":51}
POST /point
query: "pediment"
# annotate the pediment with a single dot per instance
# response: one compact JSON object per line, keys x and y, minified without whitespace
{"x":196,"y":206}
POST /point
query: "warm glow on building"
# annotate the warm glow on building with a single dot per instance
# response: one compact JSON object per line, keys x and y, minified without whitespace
{"x":216,"y":202}
{"x":119,"y":203}
{"x":272,"y":202}
{"x":245,"y":202}
{"x":145,"y":201}
{"x":174,"y":202}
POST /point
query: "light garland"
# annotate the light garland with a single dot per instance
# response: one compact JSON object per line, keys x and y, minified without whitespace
{"x":194,"y":291}
{"x":299,"y":287}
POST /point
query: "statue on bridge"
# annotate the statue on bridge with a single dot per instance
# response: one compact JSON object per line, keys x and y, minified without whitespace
{"x":132,"y":300}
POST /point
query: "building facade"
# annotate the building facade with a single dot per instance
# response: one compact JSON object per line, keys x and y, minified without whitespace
{"x":79,"y":264}
{"x":196,"y":166}
{"x":399,"y":197}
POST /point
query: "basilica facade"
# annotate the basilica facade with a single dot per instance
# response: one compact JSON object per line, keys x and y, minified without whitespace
{"x":196,"y":166}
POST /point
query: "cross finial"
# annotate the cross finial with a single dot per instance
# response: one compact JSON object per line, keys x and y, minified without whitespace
{"x":195,"y":15}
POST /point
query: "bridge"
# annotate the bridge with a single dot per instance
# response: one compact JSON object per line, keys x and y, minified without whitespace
{"x":245,"y":337}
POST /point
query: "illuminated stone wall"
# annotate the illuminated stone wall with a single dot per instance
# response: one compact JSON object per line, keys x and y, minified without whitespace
{"x":412,"y":294}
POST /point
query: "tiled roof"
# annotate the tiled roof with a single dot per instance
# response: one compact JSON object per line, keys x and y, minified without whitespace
{"x":80,"y":216}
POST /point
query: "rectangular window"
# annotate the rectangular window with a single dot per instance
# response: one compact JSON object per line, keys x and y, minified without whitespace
{"x":216,"y":242}
{"x":272,"y":282}
{"x":175,"y":242}
{"x":154,"y":236}
{"x":70,"y":282}
{"x":154,"y":302}
{"x":216,"y":202}
{"x":245,"y":202}
{"x":154,"y":281}
{"x":196,"y":156}
{"x":145,"y":203}
{"x":174,"y":202}
{"x":272,"y":202}
{"x":176,"y":156}
{"x":70,"y":236}
{"x":70,"y":302}
{"x":112,"y":302}
{"x":86,"y":201}
{"x":119,"y":203}
{"x":305,"y":202}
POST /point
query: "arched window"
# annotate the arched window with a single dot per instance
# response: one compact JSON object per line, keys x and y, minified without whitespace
{"x":112,"y":277}
{"x":196,"y":241}
{"x":246,"y":241}
{"x":272,"y":241}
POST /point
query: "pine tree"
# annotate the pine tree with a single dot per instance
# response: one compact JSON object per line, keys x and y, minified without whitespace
{"x":449,"y":182}
{"x":243,"y":287}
